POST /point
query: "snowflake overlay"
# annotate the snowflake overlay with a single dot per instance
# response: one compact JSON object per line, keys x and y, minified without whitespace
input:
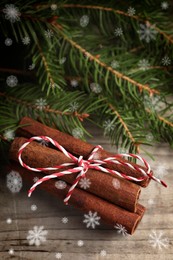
{"x":12,"y":81}
{"x":143,"y":64}
{"x":149,"y":137}
{"x":26,"y":40}
{"x":62,"y":60}
{"x":33,"y":207}
{"x":35,"y":179}
{"x":58,"y":255}
{"x":8,"y":42}
{"x":164,"y":5}
{"x":108,"y":126}
{"x":147,"y":32}
{"x":85,"y":183}
{"x":60,"y":185}
{"x":91,"y":219}
{"x":80,"y":243}
{"x":37,"y":235}
{"x":41,"y":103}
{"x":77,"y":132}
{"x":161,"y":170}
{"x":115,"y":64}
{"x":131,"y":11}
{"x":84,"y":20}
{"x":166,"y":61}
{"x":74,"y":83}
{"x":64,"y":220}
{"x":14,"y":181}
{"x":11,"y":251}
{"x":118,"y":31}
{"x":73,"y":107}
{"x":116,"y":184}
{"x":31,"y":67}
{"x":53,"y":7}
{"x":12,"y":13}
{"x":9,"y":134}
{"x":95,"y":87}
{"x":9,"y":220}
{"x":157,"y":240}
{"x":103,"y":253}
{"x":121,"y":229}
{"x":48,"y":33}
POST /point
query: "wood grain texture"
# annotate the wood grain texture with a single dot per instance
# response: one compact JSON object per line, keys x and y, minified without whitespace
{"x":63,"y":238}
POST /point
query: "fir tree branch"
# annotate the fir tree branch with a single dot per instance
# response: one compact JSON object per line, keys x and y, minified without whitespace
{"x":161,"y":118}
{"x":16,"y":71}
{"x":140,"y":86}
{"x":109,"y":9}
{"x":46,"y":109}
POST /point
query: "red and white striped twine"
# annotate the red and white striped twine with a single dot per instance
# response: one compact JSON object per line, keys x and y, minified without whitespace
{"x":84,"y":165}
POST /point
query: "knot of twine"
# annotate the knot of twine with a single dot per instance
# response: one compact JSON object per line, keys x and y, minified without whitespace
{"x":84,"y":165}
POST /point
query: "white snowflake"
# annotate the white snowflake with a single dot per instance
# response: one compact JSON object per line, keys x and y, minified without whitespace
{"x":131,"y":11}
{"x":11,"y":251}
{"x":115,"y":64}
{"x":9,"y":220}
{"x":143,"y":64}
{"x":95,"y":87}
{"x":14,"y":181}
{"x":41,"y":103}
{"x":116,"y":184}
{"x":44,"y":143}
{"x":37,"y":235}
{"x":26,"y":40}
{"x":64,"y":220}
{"x":8,"y":42}
{"x":122,"y":150}
{"x":147,"y":32}
{"x":73,"y":106}
{"x":91,"y":219}
{"x":161,"y":170}
{"x":77,"y":132}
{"x":58,"y":255}
{"x":153,"y":103}
{"x":9,"y":134}
{"x":74,"y":83}
{"x":118,"y":31}
{"x":121,"y":229}
{"x":164,"y":5}
{"x":108,"y":126}
{"x":157,"y":240}
{"x":49,"y":33}
{"x":84,"y":20}
{"x":62,"y":60}
{"x":12,"y":13}
{"x":11,"y":81}
{"x":166,"y":61}
{"x":85,"y":183}
{"x":33,"y":207}
{"x":53,"y":7}
{"x":60,"y":185}
{"x":31,"y":67}
{"x":35,"y":179}
{"x":151,"y":202}
{"x":103,"y":253}
{"x":149,"y":137}
{"x":80,"y":243}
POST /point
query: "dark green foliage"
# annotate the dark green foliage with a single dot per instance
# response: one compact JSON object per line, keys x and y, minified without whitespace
{"x":121,"y":82}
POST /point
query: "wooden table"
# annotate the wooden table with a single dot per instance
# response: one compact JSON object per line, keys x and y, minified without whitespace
{"x":153,"y":238}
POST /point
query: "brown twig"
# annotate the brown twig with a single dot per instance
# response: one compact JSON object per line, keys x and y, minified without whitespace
{"x":46,"y":108}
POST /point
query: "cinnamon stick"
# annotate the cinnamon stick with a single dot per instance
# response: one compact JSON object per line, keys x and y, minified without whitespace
{"x":109,"y":213}
{"x":113,"y":189}
{"x":30,"y":127}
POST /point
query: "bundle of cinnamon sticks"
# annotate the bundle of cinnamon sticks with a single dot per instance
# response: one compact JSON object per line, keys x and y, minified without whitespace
{"x":113,"y":198}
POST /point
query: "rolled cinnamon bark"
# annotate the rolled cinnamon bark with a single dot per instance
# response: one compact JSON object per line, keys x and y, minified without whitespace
{"x":30,"y":127}
{"x":109,"y":213}
{"x":113,"y":189}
